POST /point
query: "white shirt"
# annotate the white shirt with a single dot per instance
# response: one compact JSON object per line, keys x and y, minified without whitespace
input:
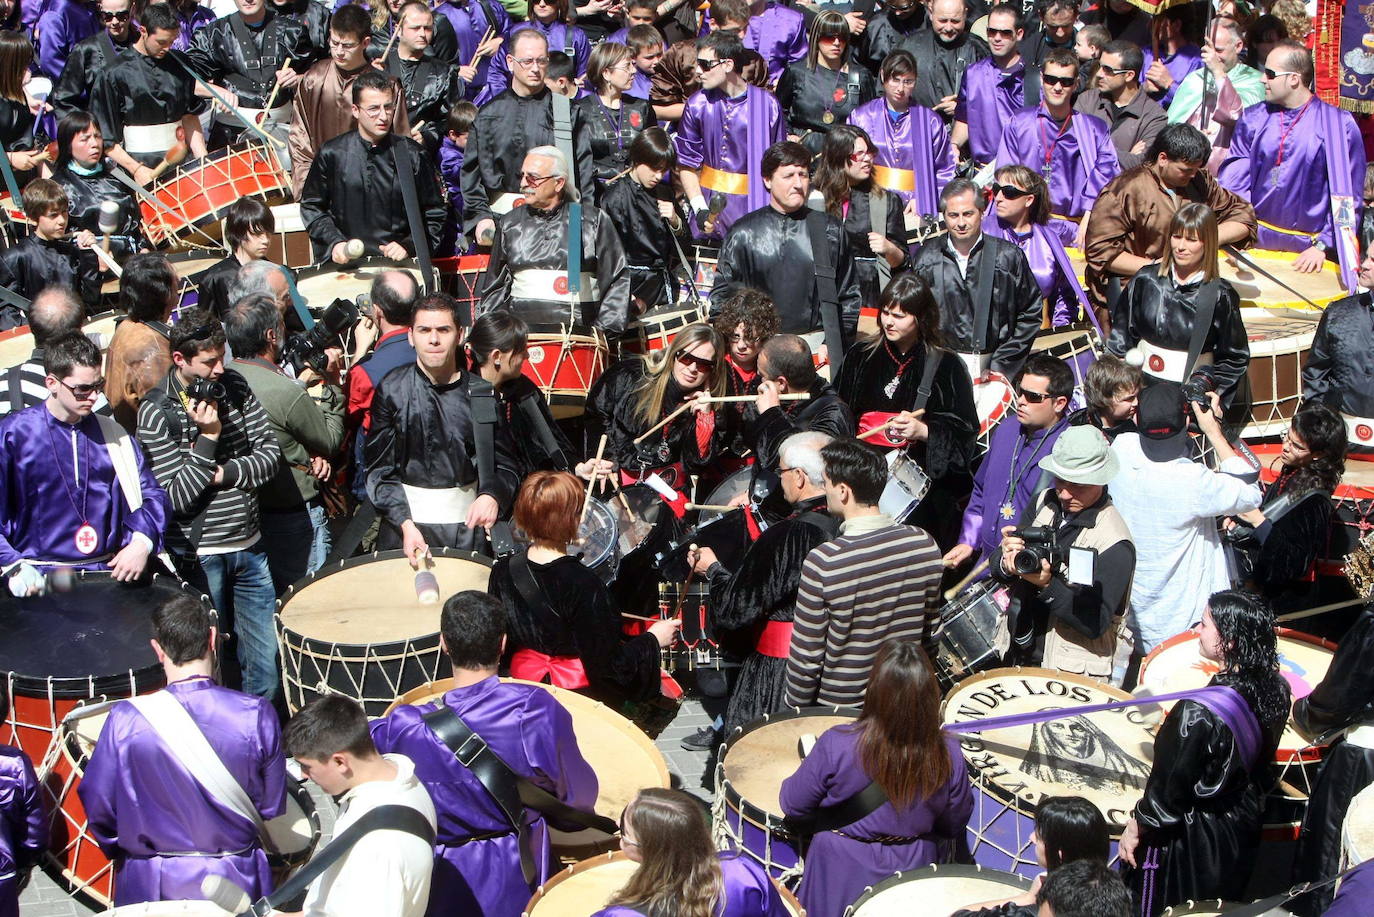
{"x":1171,"y":510}
{"x":387,"y":873}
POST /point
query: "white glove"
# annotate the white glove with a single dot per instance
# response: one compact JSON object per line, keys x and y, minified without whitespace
{"x":26,"y":581}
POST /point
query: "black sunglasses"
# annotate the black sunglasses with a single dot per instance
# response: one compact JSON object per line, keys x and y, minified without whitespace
{"x":706,"y":66}
{"x":1065,"y":81}
{"x":1113,"y":71}
{"x":122,"y":16}
{"x":700,"y":363}
{"x":84,"y":391}
{"x":1010,"y":192}
{"x":1004,"y":33}
{"x":1032,"y":397}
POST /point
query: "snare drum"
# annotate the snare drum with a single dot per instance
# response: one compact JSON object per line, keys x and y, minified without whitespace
{"x":1079,"y":347}
{"x":907,"y":484}
{"x":994,"y":399}
{"x":564,"y":362}
{"x":654,"y":330}
{"x":1357,"y":836}
{"x":753,"y":764}
{"x":623,"y":757}
{"x":357,"y":629}
{"x":968,"y":631}
{"x":294,"y":833}
{"x":1104,"y":757}
{"x":935,"y":891}
{"x":322,"y":285}
{"x":1279,"y":345}
{"x":194,"y":197}
{"x":1177,"y":664}
{"x":16,"y":345}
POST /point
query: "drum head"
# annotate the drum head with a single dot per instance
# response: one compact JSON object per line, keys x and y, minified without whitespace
{"x":322,"y":285}
{"x":1358,"y":836}
{"x":167,"y":909}
{"x":1104,"y":757}
{"x":596,"y":537}
{"x":370,"y":600}
{"x":760,"y":756}
{"x":584,"y":889}
{"x":734,"y":486}
{"x":636,"y":523}
{"x":295,"y":831}
{"x":935,"y":891}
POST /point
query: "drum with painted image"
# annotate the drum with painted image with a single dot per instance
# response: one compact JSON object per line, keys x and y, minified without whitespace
{"x":564,"y":362}
{"x":936,"y":891}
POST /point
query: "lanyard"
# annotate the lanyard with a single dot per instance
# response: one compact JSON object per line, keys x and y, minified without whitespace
{"x":1285,"y":131}
{"x":1045,"y":143}
{"x":1018,"y":474}
{"x":80,"y":508}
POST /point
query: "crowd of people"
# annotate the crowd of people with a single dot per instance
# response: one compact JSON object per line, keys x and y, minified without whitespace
{"x":847,"y":229}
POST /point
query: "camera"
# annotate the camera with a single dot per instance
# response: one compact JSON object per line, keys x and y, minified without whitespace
{"x":307,"y":348}
{"x":1041,"y":544}
{"x":202,"y":389}
{"x":1198,"y":387}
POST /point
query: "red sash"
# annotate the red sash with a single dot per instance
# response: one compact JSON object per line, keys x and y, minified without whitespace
{"x":776,"y":639}
{"x":872,"y":419}
{"x":562,"y":671}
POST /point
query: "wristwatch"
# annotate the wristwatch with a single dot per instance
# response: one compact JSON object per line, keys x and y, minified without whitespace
{"x":1319,"y":245}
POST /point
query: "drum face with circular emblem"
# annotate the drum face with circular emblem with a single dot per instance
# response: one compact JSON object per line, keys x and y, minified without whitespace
{"x":935,"y":891}
{"x":1357,"y":836}
{"x":322,"y":285}
{"x":565,"y":362}
{"x":358,"y":629}
{"x":1104,"y":757}
{"x":624,"y":759}
{"x":753,"y":764}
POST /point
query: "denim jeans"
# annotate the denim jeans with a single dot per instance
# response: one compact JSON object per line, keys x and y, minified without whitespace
{"x":296,"y":543}
{"x":240,"y":586}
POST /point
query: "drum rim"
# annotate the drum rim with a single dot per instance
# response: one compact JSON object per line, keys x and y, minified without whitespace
{"x":952,"y":870}
{"x":747,"y":810}
{"x":353,"y":267}
{"x":1200,"y":907}
{"x":87,"y":687}
{"x":297,"y":789}
{"x":581,"y":866}
{"x":582,"y":334}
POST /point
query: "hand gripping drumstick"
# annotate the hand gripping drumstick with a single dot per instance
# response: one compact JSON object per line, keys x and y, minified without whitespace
{"x":426,"y":583}
{"x":958,"y":587}
{"x":730,"y":399}
{"x":591,"y":482}
{"x":174,"y":156}
{"x":477,"y":53}
{"x":663,"y":423}
{"x":391,"y":42}
{"x":266,"y":109}
{"x":882,"y":428}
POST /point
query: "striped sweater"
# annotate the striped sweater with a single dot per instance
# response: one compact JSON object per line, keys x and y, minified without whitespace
{"x":184,"y":463}
{"x":875,"y":582}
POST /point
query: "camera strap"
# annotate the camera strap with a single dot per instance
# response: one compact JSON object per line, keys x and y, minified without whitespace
{"x":1202,"y":322}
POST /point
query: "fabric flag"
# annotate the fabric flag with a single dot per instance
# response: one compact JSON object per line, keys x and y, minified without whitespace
{"x":1344,"y":54}
{"x":676,"y":501}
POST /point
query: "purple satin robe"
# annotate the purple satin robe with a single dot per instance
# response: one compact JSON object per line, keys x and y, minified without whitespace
{"x":23,"y":829}
{"x":1062,"y":292}
{"x":643,"y":85}
{"x":142,"y":801}
{"x":1081,"y":161}
{"x":1012,"y":453}
{"x":779,"y":35}
{"x":839,"y":868}
{"x":561,"y":36}
{"x":450,"y":165}
{"x":988,"y":98}
{"x":1179,"y":64}
{"x":191,"y":21}
{"x":748,"y":892}
{"x":730,"y":135}
{"x":469,"y":21}
{"x":918,"y":141}
{"x":1355,"y":893}
{"x":529,"y":730}
{"x":39,"y":504}
{"x":1300,"y":199}
{"x":62,"y":24}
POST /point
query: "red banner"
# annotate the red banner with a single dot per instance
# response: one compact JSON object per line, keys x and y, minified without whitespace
{"x":1345,"y":54}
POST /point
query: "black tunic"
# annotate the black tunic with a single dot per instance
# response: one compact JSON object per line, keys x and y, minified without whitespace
{"x":584,"y":624}
{"x":858,"y":223}
{"x":885,"y":34}
{"x":34,"y":264}
{"x":431,"y":87}
{"x":524,"y":412}
{"x":353,"y":192}
{"x":85,"y":193}
{"x":91,"y":55}
{"x":807,"y":93}
{"x":246,"y":58}
{"x":650,"y":253}
{"x":444,"y":44}
{"x":1340,"y":367}
{"x":214,"y":285}
{"x":17,"y":133}
{"x":611,"y":131}
{"x":314,"y":15}
{"x":141,"y":90}
{"x":1281,"y":554}
{"x":942,"y":64}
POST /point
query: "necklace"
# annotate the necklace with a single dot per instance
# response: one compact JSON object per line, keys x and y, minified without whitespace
{"x":86,"y":538}
{"x":891,"y":388}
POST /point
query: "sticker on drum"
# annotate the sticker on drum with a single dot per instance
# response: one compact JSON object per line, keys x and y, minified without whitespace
{"x":753,"y":764}
{"x":358,"y":629}
{"x":936,"y":891}
{"x":321,"y":285}
{"x":1104,"y":757}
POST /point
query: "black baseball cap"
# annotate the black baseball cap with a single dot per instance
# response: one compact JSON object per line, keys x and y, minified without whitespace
{"x":1162,"y":419}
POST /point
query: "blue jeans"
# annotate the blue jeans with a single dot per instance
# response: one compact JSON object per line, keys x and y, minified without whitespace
{"x":296,"y":543}
{"x":240,"y":586}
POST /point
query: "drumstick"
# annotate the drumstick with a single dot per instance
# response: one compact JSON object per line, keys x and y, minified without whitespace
{"x":477,"y":51}
{"x":591,"y":482}
{"x":662,"y":423}
{"x":712,"y":507}
{"x":954,"y":590}
{"x":869,"y":434}
{"x":626,"y":614}
{"x":730,"y":399}
{"x":620,"y":494}
{"x":174,"y":156}
{"x":390,"y":42}
{"x":275,"y":89}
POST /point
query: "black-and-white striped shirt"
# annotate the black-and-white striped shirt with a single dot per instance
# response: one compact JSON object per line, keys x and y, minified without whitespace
{"x":23,"y":387}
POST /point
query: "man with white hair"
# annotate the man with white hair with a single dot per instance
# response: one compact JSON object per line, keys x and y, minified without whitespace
{"x":535,"y":272}
{"x":754,"y":606}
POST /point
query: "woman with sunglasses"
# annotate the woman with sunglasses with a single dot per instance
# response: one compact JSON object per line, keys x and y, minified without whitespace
{"x":1021,"y":214}
{"x":613,"y":117}
{"x":844,"y":179}
{"x":881,"y":379}
{"x":551,"y":19}
{"x":82,"y":172}
{"x":819,"y":92}
{"x":1156,"y":313}
{"x":681,"y":874}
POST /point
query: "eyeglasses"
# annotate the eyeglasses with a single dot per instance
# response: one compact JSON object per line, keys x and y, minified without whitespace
{"x":531,"y":62}
{"x":701,"y":363}
{"x":906,"y":84}
{"x":1065,"y":81}
{"x":84,"y":391}
{"x":344,"y":45}
{"x":373,"y":111}
{"x":122,"y":16}
{"x":1001,"y":33}
{"x":1010,"y":192}
{"x":1275,"y":74}
{"x":534,"y":181}
{"x":1111,"y":71}
{"x":1032,"y":397}
{"x":861,"y":155}
{"x":706,"y":66}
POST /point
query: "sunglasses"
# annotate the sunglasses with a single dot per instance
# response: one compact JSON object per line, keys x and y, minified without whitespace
{"x":534,"y":181}
{"x":122,"y":16}
{"x":1112,"y":71}
{"x":1010,"y":192}
{"x":84,"y":391}
{"x":1001,"y":33}
{"x":1032,"y":397}
{"x":1275,"y":74}
{"x":1066,"y":82}
{"x":706,"y":66}
{"x":701,"y":363}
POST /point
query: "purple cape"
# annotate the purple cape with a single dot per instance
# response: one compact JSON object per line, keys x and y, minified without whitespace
{"x":730,"y":135}
{"x":917,"y":141}
{"x":1051,"y":266}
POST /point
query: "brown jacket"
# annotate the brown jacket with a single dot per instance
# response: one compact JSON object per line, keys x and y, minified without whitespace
{"x":139,"y":358}
{"x":675,"y":76}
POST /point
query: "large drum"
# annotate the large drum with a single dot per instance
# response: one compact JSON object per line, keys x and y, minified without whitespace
{"x":191,"y":268}
{"x":653,"y":330}
{"x":16,"y":345}
{"x":623,"y":757}
{"x":935,"y":891}
{"x":76,"y":861}
{"x":1279,"y":344}
{"x":583,"y":889}
{"x":564,"y":362}
{"x":321,"y":285}
{"x":464,"y":278}
{"x":753,"y":764}
{"x":1104,"y":757}
{"x":994,"y":399}
{"x":1357,"y":836}
{"x":357,"y":628}
{"x":195,"y":196}
{"x":1353,"y":502}
{"x":1177,"y":665}
{"x":1077,"y":346}
{"x":290,"y":243}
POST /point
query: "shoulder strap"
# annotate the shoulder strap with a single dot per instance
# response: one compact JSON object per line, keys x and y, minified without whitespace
{"x":405,"y":174}
{"x":120,"y":446}
{"x":982,"y":294}
{"x":164,"y":404}
{"x":482,"y":407}
{"x":529,"y":408}
{"x":528,"y":586}
{"x":15,"y":377}
{"x":933,"y":357}
{"x":825,"y":284}
{"x":847,"y":811}
{"x":1202,"y":322}
{"x":877,"y":222}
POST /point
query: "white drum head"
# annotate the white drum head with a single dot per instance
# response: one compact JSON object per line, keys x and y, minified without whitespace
{"x":936,"y":891}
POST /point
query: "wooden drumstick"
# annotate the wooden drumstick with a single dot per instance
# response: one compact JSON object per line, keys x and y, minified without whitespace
{"x":869,"y":434}
{"x":954,"y":590}
{"x":663,"y":423}
{"x":731,"y":399}
{"x":391,"y":42}
{"x":174,"y":156}
{"x":591,"y":482}
{"x":273,"y":97}
{"x":477,"y":53}
{"x":712,"y":507}
{"x":626,"y":614}
{"x":620,"y":495}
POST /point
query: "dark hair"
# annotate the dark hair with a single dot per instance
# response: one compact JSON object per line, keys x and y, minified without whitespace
{"x":1108,"y":375}
{"x":1027,"y":179}
{"x":472,"y":624}
{"x":641,"y":38}
{"x":197,"y":330}
{"x":1085,"y":888}
{"x":247,"y":322}
{"x":43,"y":196}
{"x":751,"y":308}
{"x":149,"y":287}
{"x":958,"y":186}
{"x":1009,"y":9}
{"x":1052,"y":368}
{"x":351,"y":21}
{"x":898,"y":63}
{"x":784,"y":153}
{"x":1132,"y":58}
{"x":436,"y":302}
{"x":653,"y":148}
{"x":54,"y":311}
{"x":1071,"y":828}
{"x":158,"y":17}
{"x":830,"y":178}
{"x":1063,"y":6}
{"x":496,"y":330}
{"x":461,"y":117}
{"x":723,"y":11}
{"x":900,"y":745}
{"x":1062,"y":57}
{"x":397,"y":306}
{"x":1181,"y":143}
{"x":1298,"y":59}
{"x":329,"y":725}
{"x":375,"y":80}
{"x":1254,"y":35}
{"x":863,"y":468}
{"x":181,"y":626}
{"x":827,"y":24}
{"x":727,"y":46}
{"x":561,"y":66}
{"x":245,"y":216}
{"x":909,"y":293}
{"x":68,"y":351}
{"x":789,"y":356}
{"x":16,"y":54}
{"x":1250,"y":662}
{"x":72,"y":124}
{"x":1323,"y":431}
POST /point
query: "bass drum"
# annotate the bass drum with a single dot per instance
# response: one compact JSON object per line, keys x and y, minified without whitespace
{"x":321,"y":285}
{"x":936,"y":891}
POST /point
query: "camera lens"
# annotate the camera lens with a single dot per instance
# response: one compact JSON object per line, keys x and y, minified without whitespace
{"x":1026,"y":561}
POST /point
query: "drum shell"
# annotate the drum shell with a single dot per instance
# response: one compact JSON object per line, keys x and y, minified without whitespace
{"x":937,"y":891}
{"x":1079,"y":347}
{"x":1279,"y":347}
{"x":967,"y":646}
{"x":196,"y":195}
{"x":653,"y":330}
{"x":565,"y":363}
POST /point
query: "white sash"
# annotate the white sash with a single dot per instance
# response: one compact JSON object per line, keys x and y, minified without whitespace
{"x":440,"y":505}
{"x":1359,"y":430}
{"x":1171,"y":365}
{"x":120,"y":446}
{"x":505,"y":203}
{"x":533,"y":283}
{"x":149,"y":138}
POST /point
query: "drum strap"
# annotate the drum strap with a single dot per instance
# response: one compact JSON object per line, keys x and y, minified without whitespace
{"x":405,"y":176}
{"x":825,"y":285}
{"x":11,"y":184}
{"x":934,"y":356}
{"x":1202,"y":322}
{"x":482,"y":406}
{"x":982,"y":296}
{"x":845,"y":812}
{"x":529,"y":588}
{"x":15,"y":377}
{"x":529,"y":409}
{"x":877,"y":222}
{"x":512,"y":793}
{"x":8,"y":296}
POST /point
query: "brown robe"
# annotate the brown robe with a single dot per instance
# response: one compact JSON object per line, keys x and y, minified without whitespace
{"x":138,"y":359}
{"x":324,"y":110}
